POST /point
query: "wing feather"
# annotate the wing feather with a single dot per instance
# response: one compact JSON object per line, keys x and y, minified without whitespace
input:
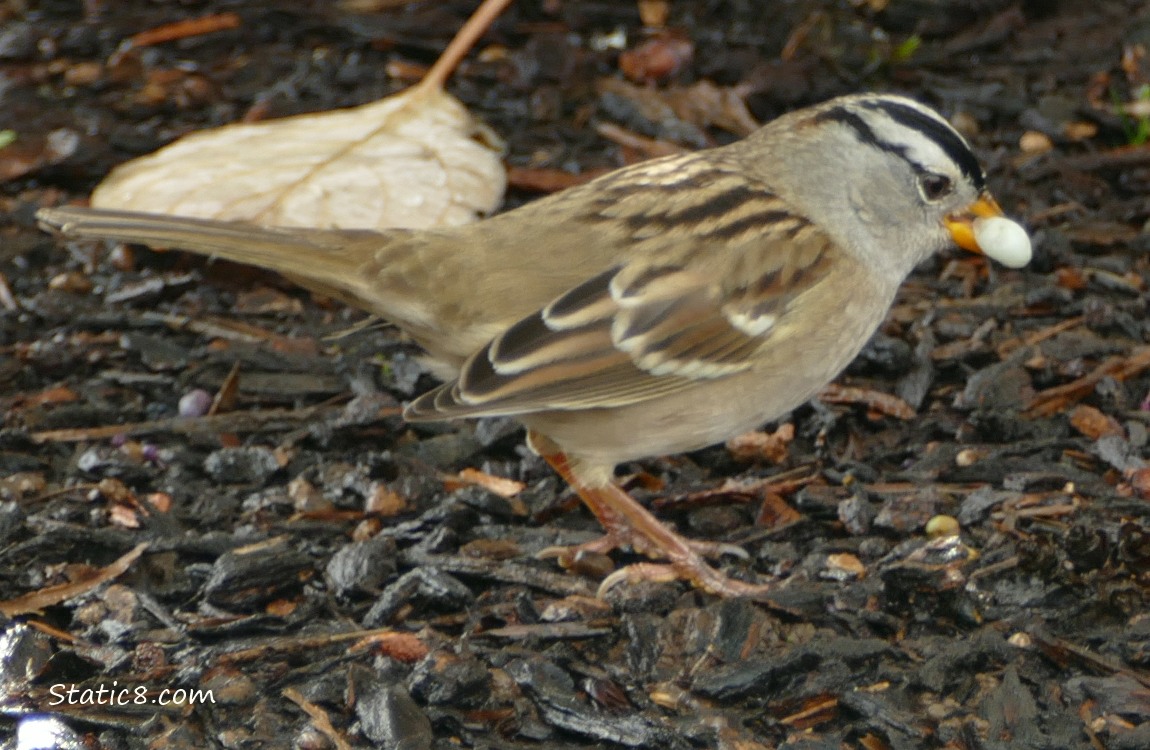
{"x":704,"y":307}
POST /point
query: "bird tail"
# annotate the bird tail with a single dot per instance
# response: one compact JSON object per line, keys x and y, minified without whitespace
{"x":324,"y":260}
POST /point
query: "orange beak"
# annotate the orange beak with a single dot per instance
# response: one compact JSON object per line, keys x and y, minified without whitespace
{"x":961,"y":225}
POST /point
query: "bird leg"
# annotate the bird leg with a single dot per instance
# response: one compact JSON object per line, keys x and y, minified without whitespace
{"x":628,"y":522}
{"x":618,"y":534}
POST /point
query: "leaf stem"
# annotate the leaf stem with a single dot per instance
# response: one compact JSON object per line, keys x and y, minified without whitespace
{"x":462,"y":43}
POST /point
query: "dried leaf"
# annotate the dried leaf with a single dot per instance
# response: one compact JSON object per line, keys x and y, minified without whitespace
{"x":159,"y":501}
{"x":876,"y":401}
{"x":1071,"y":278}
{"x":653,"y":13}
{"x":771,"y":447}
{"x":679,"y":113}
{"x":844,"y":566}
{"x":548,"y":180}
{"x":1102,"y":233}
{"x":661,"y":57}
{"x":404,"y":647}
{"x":1139,"y":481}
{"x":1080,"y":131}
{"x":415,"y":159}
{"x":501,"y":486}
{"x":225,"y":398}
{"x":21,"y":484}
{"x":124,"y":517}
{"x":775,"y":513}
{"x":1033,"y":142}
{"x":263,"y":300}
{"x":385,"y":501}
{"x":59,"y":394}
{"x":1093,"y":423}
{"x":704,"y":104}
{"x":24,"y":154}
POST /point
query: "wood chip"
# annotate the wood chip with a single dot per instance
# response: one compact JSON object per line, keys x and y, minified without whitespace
{"x":876,"y":401}
{"x":46,"y":597}
{"x":1056,"y":399}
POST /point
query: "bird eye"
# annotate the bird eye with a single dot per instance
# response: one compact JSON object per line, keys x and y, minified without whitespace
{"x":935,"y":186}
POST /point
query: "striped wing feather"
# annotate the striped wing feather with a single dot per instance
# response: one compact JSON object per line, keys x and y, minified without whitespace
{"x":703,"y":307}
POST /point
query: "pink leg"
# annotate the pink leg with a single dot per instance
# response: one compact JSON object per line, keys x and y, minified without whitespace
{"x":628,"y":522}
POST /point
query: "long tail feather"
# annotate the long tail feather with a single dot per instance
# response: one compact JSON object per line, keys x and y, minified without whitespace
{"x":324,"y":257}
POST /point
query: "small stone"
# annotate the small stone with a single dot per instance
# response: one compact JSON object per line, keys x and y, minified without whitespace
{"x":245,"y":465}
{"x":195,"y":403}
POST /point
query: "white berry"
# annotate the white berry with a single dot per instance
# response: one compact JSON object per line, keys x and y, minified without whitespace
{"x":1002,"y":239}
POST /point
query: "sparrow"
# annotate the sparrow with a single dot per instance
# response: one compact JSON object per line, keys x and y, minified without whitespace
{"x":660,"y":308}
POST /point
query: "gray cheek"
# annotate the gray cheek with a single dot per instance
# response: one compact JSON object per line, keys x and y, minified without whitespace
{"x":857,"y":197}
{"x":876,"y":204}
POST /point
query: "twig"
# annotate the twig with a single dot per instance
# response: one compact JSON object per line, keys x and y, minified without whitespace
{"x":1053,"y":400}
{"x":170,"y":32}
{"x":7,"y":300}
{"x":303,"y":643}
{"x":651,"y":147}
{"x":1008,"y":347}
{"x":232,"y":422}
{"x":46,"y":597}
{"x":319,"y":718}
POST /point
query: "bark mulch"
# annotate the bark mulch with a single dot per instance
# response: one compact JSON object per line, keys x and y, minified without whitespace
{"x":326,"y":576}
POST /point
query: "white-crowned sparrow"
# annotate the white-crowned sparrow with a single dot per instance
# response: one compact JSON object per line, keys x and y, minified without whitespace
{"x":660,"y":308}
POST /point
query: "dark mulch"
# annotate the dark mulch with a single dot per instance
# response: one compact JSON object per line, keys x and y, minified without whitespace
{"x":324,"y":571}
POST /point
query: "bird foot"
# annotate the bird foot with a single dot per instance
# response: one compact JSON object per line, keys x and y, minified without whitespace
{"x":697,"y":572}
{"x":621,"y":538}
{"x":628,"y":523}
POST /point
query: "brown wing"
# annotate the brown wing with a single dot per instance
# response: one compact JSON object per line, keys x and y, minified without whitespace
{"x":644,"y":330}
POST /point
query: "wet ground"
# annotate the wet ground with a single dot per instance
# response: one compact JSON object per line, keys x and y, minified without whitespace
{"x":336,"y":578}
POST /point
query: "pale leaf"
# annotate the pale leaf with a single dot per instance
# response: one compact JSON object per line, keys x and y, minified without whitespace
{"x":415,"y":159}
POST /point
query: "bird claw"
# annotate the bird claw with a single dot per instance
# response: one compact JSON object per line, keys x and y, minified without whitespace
{"x":715,"y":550}
{"x":628,"y":523}
{"x":691,"y":568}
{"x":696,"y":572}
{"x":619,"y":539}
